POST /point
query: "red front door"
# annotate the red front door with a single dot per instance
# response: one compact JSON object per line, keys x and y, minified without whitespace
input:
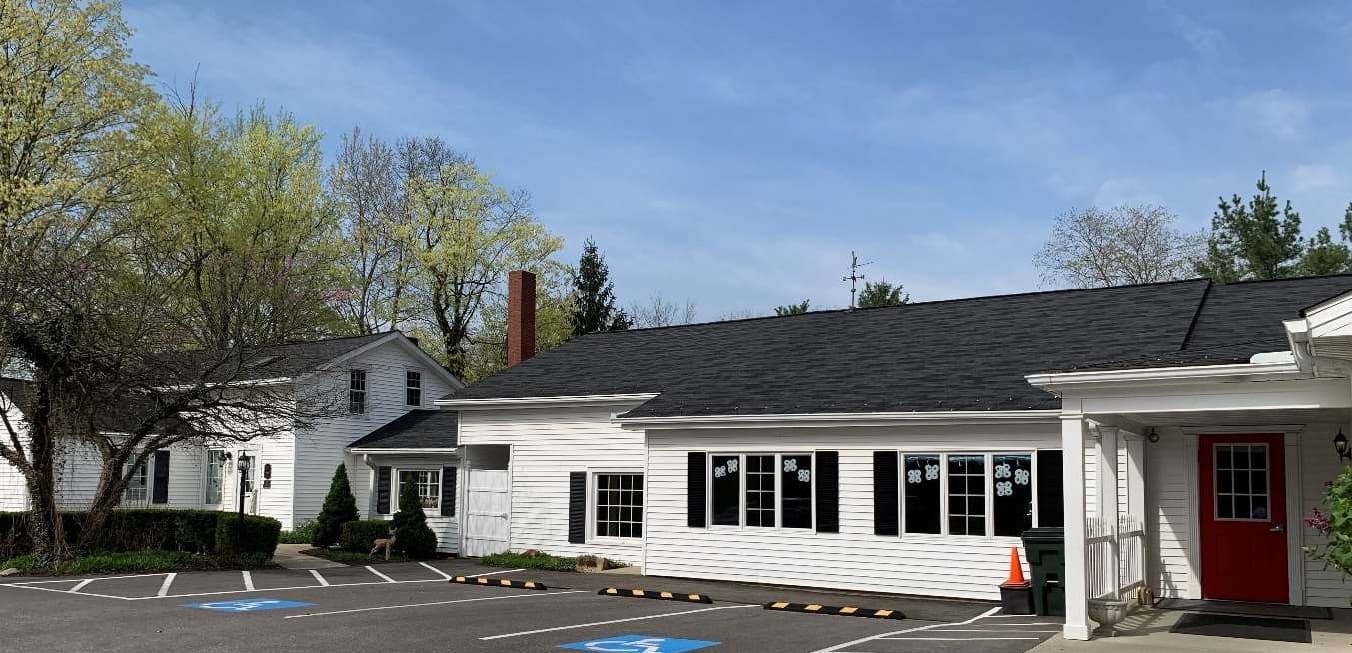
{"x":1243,"y":506}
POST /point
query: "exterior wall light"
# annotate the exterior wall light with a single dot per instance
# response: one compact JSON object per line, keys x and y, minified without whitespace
{"x":1340,"y":445}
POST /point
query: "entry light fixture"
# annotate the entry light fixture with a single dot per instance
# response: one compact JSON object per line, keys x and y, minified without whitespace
{"x":1341,"y":446}
{"x":1153,"y":435}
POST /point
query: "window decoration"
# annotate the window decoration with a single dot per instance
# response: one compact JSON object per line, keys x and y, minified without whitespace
{"x":1013,"y":504}
{"x":619,"y":505}
{"x":356,"y":392}
{"x":978,"y":494}
{"x":413,"y":388}
{"x":796,"y":488}
{"x":726,"y":490}
{"x":761,"y":490}
{"x":922,"y":494}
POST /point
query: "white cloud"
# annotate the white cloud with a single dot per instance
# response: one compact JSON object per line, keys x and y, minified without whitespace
{"x":1275,"y":111}
{"x":1123,"y":191}
{"x":1203,"y":40}
{"x":1315,"y":176}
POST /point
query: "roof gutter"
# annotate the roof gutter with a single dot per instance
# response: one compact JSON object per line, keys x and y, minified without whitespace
{"x":499,"y":403}
{"x":367,"y":451}
{"x":791,"y":420}
{"x":1261,"y":371}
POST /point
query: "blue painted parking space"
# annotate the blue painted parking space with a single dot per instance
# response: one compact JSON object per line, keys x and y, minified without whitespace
{"x":640,"y":644}
{"x":253,"y":604}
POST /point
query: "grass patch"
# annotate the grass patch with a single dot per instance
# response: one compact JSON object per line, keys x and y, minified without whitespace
{"x":535,"y":560}
{"x":139,"y":562}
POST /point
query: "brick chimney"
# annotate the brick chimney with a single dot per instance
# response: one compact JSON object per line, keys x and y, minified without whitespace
{"x":520,"y":316}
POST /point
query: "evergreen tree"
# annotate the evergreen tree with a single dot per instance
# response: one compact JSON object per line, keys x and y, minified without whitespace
{"x":792,"y":309}
{"x":594,"y":295}
{"x":1256,"y":240}
{"x":411,"y":533}
{"x":340,"y":507}
{"x":882,"y":293}
{"x":1323,"y":256}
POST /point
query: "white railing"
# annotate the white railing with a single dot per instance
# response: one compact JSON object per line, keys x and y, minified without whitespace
{"x":1128,"y":541}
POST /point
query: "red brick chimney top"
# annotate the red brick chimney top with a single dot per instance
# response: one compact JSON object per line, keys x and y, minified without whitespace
{"x":520,"y":316}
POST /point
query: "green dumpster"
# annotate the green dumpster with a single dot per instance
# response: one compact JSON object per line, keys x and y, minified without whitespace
{"x":1046,"y":551}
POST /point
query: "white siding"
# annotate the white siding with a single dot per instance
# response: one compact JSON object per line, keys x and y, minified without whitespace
{"x":1319,"y":465}
{"x":855,"y":558}
{"x":447,"y":527}
{"x":13,"y":490}
{"x":317,"y":452}
{"x":548,"y":444}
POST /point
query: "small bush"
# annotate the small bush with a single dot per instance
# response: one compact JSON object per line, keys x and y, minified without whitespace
{"x":260,"y":535}
{"x":139,"y":529}
{"x":301,"y":534}
{"x":360,"y":536}
{"x":340,"y":507}
{"x":537,"y":561}
{"x":411,"y":533}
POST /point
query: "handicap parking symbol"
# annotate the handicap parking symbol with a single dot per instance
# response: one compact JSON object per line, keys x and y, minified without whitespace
{"x":640,"y":644}
{"x":249,"y":605}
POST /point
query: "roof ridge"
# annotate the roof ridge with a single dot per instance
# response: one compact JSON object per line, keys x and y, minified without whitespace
{"x":336,"y":338}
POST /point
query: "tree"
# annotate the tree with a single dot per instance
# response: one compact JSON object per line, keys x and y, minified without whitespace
{"x":882,"y":293}
{"x":340,"y":507}
{"x":1093,"y":248}
{"x":659,"y":312}
{"x":1256,"y":240}
{"x":792,"y":309}
{"x":594,"y":295}
{"x":411,"y":533}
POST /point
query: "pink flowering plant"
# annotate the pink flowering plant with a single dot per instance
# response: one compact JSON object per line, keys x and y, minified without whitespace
{"x":1335,"y":523}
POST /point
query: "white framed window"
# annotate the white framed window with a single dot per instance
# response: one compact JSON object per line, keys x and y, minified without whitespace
{"x":215,"y":477}
{"x":1241,"y":481}
{"x":356,"y":392}
{"x":138,"y":486}
{"x":761,"y":490}
{"x":413,"y":388}
{"x":428,"y":482}
{"x":618,"y":508}
{"x":977,"y":494}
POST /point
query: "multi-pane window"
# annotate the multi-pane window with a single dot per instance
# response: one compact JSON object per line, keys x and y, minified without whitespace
{"x":1013,"y":502}
{"x":1241,"y":482}
{"x":967,"y":495}
{"x":413,"y":388}
{"x":761,"y":490}
{"x":428,"y":483}
{"x":356,"y":391}
{"x":922,"y":488}
{"x":138,"y":486}
{"x":215,"y":477}
{"x":619,"y":505}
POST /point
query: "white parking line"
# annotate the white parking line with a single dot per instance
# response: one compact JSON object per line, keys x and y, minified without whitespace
{"x":49,"y":589}
{"x":248,"y":581}
{"x":490,"y":573}
{"x":957,"y":639}
{"x":861,"y":640}
{"x":80,"y":585}
{"x":379,"y":575}
{"x":323,"y":582}
{"x":421,"y":605}
{"x":615,"y":621}
{"x":71,"y":580}
{"x":164,"y":587}
{"x":990,"y":630}
{"x":443,"y":574}
{"x":270,"y":589}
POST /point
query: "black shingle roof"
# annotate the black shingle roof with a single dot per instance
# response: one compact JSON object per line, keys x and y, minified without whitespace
{"x":966,"y":354}
{"x":293,"y":359}
{"x":419,"y":429}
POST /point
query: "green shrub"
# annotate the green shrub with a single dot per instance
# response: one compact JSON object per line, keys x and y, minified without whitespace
{"x":340,"y":507}
{"x":360,"y":536}
{"x":259,"y":537}
{"x":301,"y":534}
{"x":143,"y":529}
{"x":139,"y":561}
{"x":411,"y":533}
{"x":536,"y":561}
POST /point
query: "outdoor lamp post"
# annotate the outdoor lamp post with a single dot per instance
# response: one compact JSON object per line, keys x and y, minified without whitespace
{"x":1340,"y":445}
{"x":244,"y":463}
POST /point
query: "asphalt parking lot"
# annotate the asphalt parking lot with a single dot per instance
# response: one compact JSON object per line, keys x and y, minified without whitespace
{"x":412,"y":607}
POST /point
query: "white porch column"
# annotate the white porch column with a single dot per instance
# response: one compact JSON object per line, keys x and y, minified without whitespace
{"x":1108,"y":505}
{"x":1073,"y":428}
{"x":1135,"y":475}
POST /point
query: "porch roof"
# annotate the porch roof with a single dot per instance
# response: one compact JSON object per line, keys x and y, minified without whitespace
{"x":418,"y":429}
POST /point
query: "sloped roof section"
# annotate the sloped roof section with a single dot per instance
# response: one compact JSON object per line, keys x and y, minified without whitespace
{"x":290,"y":360}
{"x":418,"y":429}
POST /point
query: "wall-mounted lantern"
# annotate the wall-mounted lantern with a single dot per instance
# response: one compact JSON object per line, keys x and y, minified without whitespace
{"x":1341,"y":446}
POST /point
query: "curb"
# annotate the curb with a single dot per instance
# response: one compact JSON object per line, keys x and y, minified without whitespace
{"x":660,"y":596}
{"x":847,"y":611}
{"x":499,"y":582}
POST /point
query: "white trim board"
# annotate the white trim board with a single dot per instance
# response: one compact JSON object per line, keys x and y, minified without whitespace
{"x":840,"y":419}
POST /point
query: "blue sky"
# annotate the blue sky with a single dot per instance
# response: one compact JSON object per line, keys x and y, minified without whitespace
{"x":733,"y":153}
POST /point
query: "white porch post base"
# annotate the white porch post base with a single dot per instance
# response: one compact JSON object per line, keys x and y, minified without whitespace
{"x":1073,"y":426}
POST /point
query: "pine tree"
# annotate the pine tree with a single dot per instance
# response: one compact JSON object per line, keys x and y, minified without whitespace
{"x":1256,"y":240}
{"x":792,"y":309}
{"x":594,"y":295}
{"x":882,"y":293}
{"x":340,"y":507}
{"x":411,"y":533}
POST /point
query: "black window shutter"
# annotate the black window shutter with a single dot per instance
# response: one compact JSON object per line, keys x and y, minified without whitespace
{"x":382,"y":490}
{"x":577,"y":507}
{"x":886,"y":497}
{"x":695,"y":501}
{"x":160,"y":492}
{"x":828,"y":491}
{"x":447,"y":491}
{"x":1050,"y":502}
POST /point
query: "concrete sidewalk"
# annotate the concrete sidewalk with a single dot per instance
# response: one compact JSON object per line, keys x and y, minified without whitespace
{"x":289,"y":556}
{"x":1147,"y":629}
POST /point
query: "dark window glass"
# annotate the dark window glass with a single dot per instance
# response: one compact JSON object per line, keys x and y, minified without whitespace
{"x":967,"y":495}
{"x":1050,"y":502}
{"x":1013,"y":493}
{"x":760,"y":491}
{"x":1241,"y":481}
{"x":795,"y":483}
{"x":356,"y":391}
{"x":725,"y":476}
{"x":921,"y":483}
{"x":413,"y":388}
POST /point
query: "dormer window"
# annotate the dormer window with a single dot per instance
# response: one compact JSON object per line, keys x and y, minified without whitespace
{"x":413,"y":388}
{"x":356,"y":392}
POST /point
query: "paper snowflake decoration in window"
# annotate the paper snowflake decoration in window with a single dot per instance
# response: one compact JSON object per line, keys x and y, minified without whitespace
{"x":732,"y":465}
{"x":913,"y":476}
{"x":790,"y":464}
{"x":720,"y":472}
{"x":1021,"y":476}
{"x":931,"y":472}
{"x":1002,"y":470}
{"x":1004,"y":489}
{"x":804,"y":475}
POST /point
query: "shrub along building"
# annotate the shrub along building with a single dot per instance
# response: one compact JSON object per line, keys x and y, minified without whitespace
{"x":379,"y":379}
{"x":905,"y":449}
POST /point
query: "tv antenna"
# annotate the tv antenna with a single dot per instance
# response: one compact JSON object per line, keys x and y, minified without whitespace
{"x":854,"y":277}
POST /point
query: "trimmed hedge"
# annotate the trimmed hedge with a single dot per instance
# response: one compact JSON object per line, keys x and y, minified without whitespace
{"x":361,"y":535}
{"x":193,"y":531}
{"x":260,"y":535}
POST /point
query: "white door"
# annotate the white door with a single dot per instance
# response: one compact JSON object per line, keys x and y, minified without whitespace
{"x":488,"y":503}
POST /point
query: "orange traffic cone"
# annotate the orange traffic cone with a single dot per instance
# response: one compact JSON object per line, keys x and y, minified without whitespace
{"x":1016,"y":578}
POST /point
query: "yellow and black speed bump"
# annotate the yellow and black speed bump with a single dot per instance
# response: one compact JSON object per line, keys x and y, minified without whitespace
{"x":661,"y":596}
{"x":847,"y":611}
{"x":499,"y":582}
